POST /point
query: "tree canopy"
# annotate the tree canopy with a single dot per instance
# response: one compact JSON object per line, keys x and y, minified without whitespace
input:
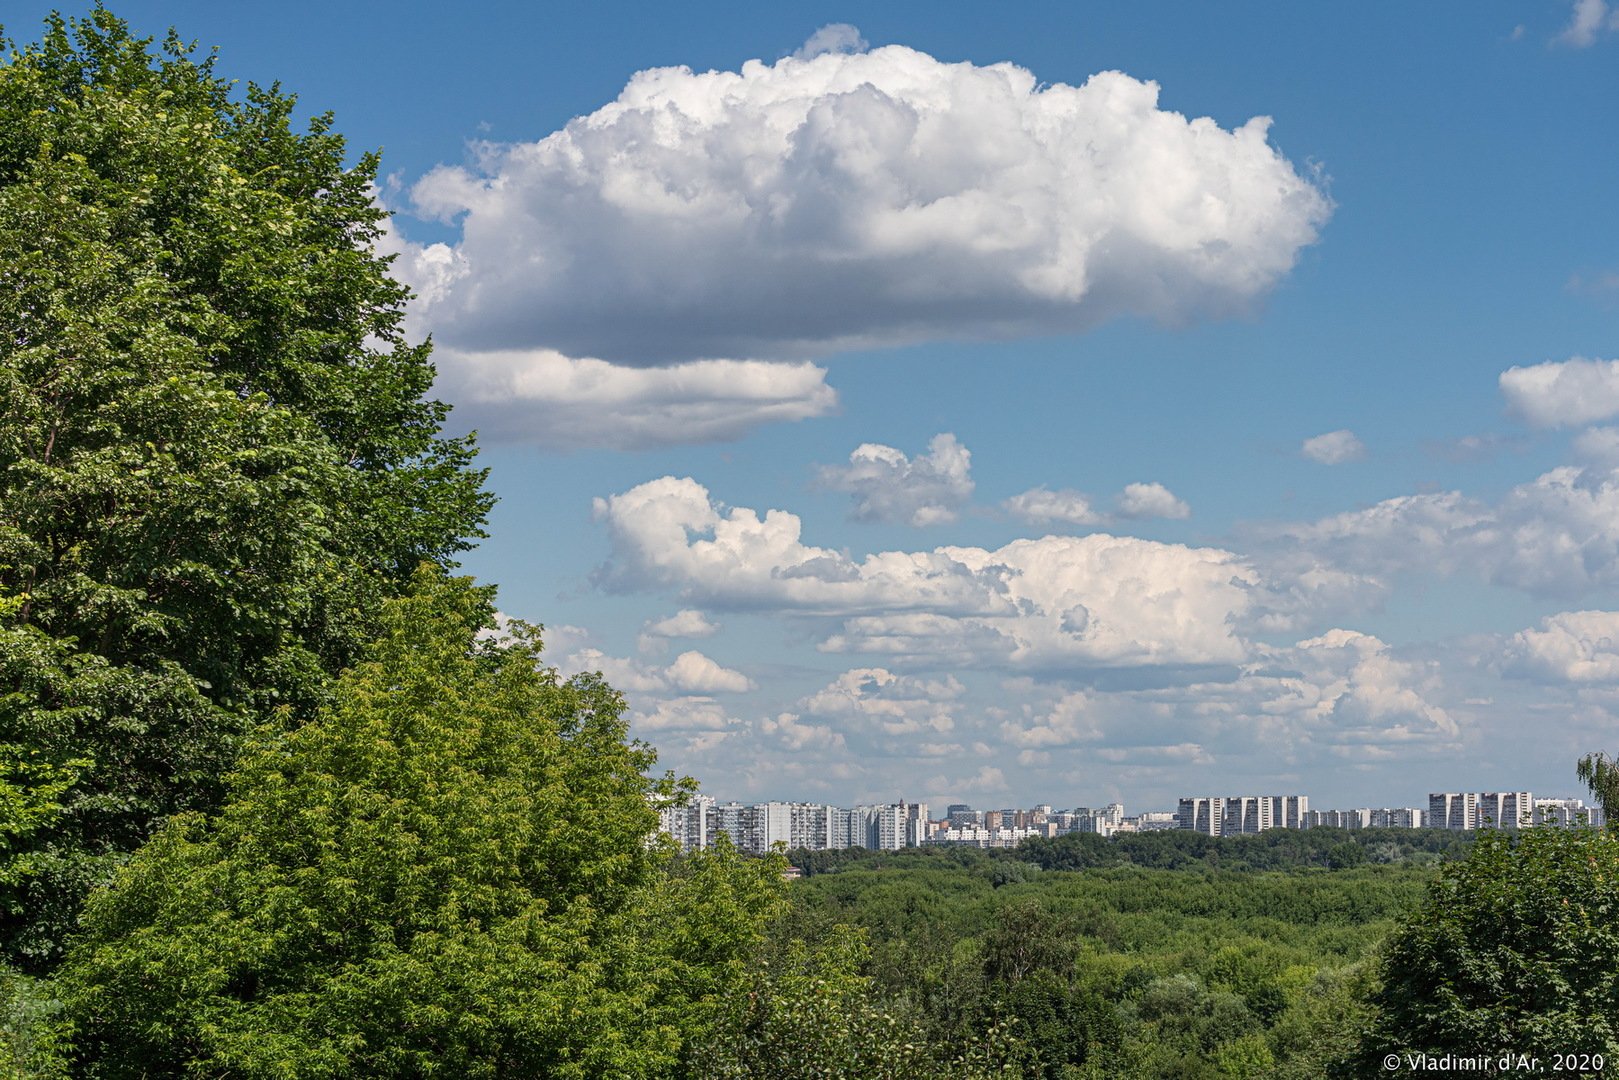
{"x":448,"y":870}
{"x":1515,"y":951}
{"x":217,"y":452}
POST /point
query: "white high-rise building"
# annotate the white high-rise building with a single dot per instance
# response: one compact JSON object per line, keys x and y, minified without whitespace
{"x":1337,"y":819}
{"x":1567,"y":812}
{"x":1397,"y":817}
{"x":1245,"y":814}
{"x":1202,"y":813}
{"x":1505,"y":809}
{"x":1464,"y":810}
{"x":688,"y":823}
{"x":738,"y":822}
{"x":1454,"y":810}
{"x":890,"y":826}
{"x":1287,"y":811}
{"x":1235,"y":815}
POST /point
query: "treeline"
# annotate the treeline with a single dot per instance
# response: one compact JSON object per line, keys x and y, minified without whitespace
{"x":1174,"y":849}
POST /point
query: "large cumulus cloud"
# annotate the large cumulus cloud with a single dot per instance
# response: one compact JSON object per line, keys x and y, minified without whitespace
{"x":853,"y":199}
{"x":1556,"y":535}
{"x":1053,"y":602}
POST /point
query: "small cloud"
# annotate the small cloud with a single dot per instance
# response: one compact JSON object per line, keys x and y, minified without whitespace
{"x":1334,"y":448}
{"x":1589,"y":19}
{"x":1469,"y":448}
{"x":1600,"y":285}
{"x":1564,"y":393}
{"x":686,"y":623}
{"x":832,"y":38}
{"x":1151,"y":500}
{"x":1039,"y":506}
{"x":888,"y":486}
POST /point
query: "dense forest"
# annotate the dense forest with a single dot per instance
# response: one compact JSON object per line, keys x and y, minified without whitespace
{"x":279,"y":800}
{"x":1128,"y":971}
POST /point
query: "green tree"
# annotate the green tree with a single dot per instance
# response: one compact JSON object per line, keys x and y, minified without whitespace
{"x":1516,"y":950}
{"x":449,"y":870}
{"x":1600,"y":773}
{"x":810,"y":1014}
{"x":217,"y":453}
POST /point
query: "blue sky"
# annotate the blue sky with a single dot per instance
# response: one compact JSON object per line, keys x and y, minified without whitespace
{"x":911,"y":401}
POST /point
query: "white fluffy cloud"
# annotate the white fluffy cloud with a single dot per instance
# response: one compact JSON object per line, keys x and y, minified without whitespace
{"x":685,"y":714}
{"x":540,"y":396}
{"x":877,"y":700}
{"x":1557,"y":535}
{"x":686,"y":623}
{"x":1039,"y":506}
{"x":668,"y":532}
{"x":1360,"y":693}
{"x":691,"y":673}
{"x":1599,"y":445}
{"x":1589,"y":19}
{"x":1334,"y":447}
{"x":844,"y":198}
{"x":1580,"y":647}
{"x":1342,"y":694}
{"x":1150,"y":500}
{"x":794,"y":734}
{"x":1072,"y":719}
{"x":1563,"y":393}
{"x":888,"y":486}
{"x":832,"y":38}
{"x":1059,"y":601}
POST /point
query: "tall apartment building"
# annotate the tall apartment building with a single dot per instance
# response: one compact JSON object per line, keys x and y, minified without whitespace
{"x":737,"y":821}
{"x":1454,"y":810}
{"x":688,"y":824}
{"x":1202,"y":813}
{"x":1398,"y":817}
{"x":1463,"y":810}
{"x":1366,"y":817}
{"x":1567,"y":812}
{"x":1245,"y":814}
{"x":1338,"y":819}
{"x":1234,"y":815}
{"x":1287,"y":811}
{"x":1104,"y":820}
{"x":889,"y":827}
{"x":1153,"y":821}
{"x":1505,"y":809}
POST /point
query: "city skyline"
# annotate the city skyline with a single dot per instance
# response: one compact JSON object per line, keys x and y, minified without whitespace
{"x":973,"y":402}
{"x":697,"y":821}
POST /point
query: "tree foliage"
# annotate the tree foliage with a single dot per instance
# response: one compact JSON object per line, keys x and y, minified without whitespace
{"x":217,"y":453}
{"x":448,"y":871}
{"x":1516,"y":950}
{"x":1125,"y":970}
{"x":812,"y":1013}
{"x":1600,"y":774}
